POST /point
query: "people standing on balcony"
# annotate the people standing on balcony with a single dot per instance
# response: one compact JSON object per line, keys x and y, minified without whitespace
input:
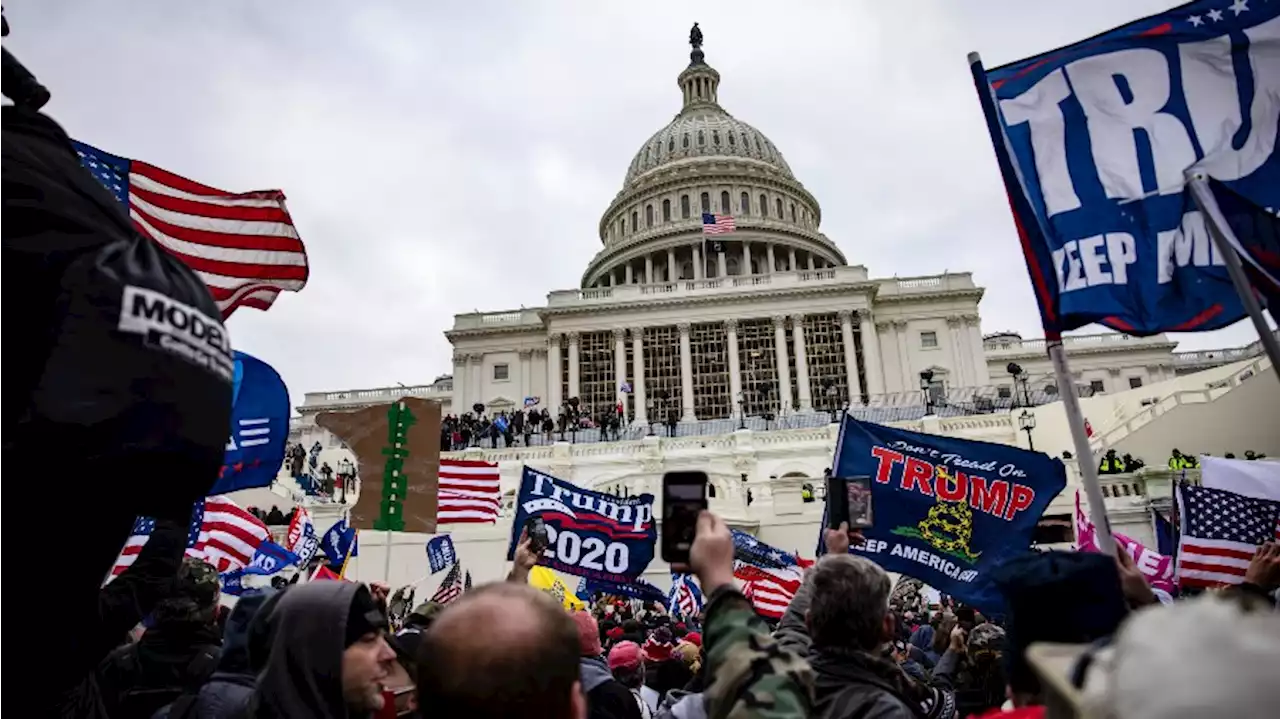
{"x":1111,"y":464}
{"x":275,"y":516}
{"x":1178,"y":460}
{"x":1132,"y":464}
{"x":326,"y":478}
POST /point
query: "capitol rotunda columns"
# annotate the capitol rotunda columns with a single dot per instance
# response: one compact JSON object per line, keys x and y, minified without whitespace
{"x":554,"y":399}
{"x":784,"y":372}
{"x":802,"y":364}
{"x":850,"y":356}
{"x":686,"y":373}
{"x":641,"y":395}
{"x":735,"y":366}
{"x":574,"y":387}
{"x":619,"y":363}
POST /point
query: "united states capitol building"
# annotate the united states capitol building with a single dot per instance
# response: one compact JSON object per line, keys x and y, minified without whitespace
{"x":751,"y":342}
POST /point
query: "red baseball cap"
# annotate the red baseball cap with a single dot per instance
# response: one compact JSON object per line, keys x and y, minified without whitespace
{"x":625,"y":655}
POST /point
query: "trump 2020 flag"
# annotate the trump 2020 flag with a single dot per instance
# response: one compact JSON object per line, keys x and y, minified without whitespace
{"x":259,"y":427}
{"x":440,"y":553}
{"x":591,"y":534}
{"x":1093,"y":141}
{"x":270,"y":558}
{"x":947,"y":510}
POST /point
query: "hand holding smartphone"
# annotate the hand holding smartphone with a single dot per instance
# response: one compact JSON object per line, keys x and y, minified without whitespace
{"x":536,"y":530}
{"x":684,"y":496}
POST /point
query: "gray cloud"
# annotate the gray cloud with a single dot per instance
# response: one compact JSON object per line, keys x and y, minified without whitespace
{"x":445,"y":157}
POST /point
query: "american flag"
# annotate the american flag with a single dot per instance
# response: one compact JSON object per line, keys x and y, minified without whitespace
{"x":1221,"y":532}
{"x":716,"y":224}
{"x":451,"y":588}
{"x":685,"y":597}
{"x":770,"y":590}
{"x":221,"y":533}
{"x":469,"y":492}
{"x":243,"y":245}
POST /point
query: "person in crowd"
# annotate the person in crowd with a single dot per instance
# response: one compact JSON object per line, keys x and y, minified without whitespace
{"x":246,"y":643}
{"x":276,"y":517}
{"x":626,"y":661}
{"x":329,"y":656}
{"x":418,"y":621}
{"x":176,"y":654}
{"x":1132,"y":464}
{"x":840,"y":617}
{"x":665,"y":670}
{"x":980,"y":679}
{"x":1177,"y":461}
{"x":607,"y":698}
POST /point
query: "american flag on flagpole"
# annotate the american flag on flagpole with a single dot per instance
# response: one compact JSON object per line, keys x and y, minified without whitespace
{"x":221,"y":533}
{"x":770,"y":590}
{"x":1221,"y":531}
{"x":469,"y":492}
{"x":243,"y":245}
{"x":717,"y":224}
{"x":451,"y":588}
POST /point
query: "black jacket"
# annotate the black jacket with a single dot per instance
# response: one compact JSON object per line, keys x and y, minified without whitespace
{"x":607,"y":698}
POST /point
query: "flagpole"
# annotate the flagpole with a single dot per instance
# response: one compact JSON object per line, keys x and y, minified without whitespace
{"x":1226,"y":242}
{"x":386,"y":565}
{"x":1080,"y":438}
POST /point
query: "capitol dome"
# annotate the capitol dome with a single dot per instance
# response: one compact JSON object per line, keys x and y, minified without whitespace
{"x":706,"y":162}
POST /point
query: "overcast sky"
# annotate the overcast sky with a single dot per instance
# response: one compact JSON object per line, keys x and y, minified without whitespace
{"x":445,"y":157}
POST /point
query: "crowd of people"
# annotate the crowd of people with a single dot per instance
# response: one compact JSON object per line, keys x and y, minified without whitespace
{"x":845,"y":647}
{"x":1111,"y":464}
{"x":528,"y":427}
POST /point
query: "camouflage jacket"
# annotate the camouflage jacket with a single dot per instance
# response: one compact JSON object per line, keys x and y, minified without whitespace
{"x":750,"y":676}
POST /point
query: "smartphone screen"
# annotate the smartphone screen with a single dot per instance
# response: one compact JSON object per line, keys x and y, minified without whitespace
{"x":849,"y":500}
{"x":684,"y":495}
{"x":537,"y":534}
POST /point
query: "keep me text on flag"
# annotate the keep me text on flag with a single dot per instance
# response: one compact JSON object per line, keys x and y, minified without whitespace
{"x":947,"y":510}
{"x":440,"y":553}
{"x":1094,"y":140}
{"x":591,"y":534}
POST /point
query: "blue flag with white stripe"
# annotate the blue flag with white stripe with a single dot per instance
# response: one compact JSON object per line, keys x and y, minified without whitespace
{"x":270,"y":558}
{"x":259,"y":427}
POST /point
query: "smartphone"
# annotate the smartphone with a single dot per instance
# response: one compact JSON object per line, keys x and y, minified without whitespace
{"x":849,"y":500}
{"x":537,"y":531}
{"x":684,"y":495}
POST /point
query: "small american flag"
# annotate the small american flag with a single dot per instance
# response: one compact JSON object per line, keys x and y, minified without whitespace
{"x":221,"y":533}
{"x":685,"y":597}
{"x":716,"y":224}
{"x":244,"y":246}
{"x":1221,"y":532}
{"x":469,"y":492}
{"x":770,"y":590}
{"x":451,"y":588}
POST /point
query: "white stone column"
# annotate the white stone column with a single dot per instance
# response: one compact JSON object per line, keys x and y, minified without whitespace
{"x":627,"y":276}
{"x":768,"y":251}
{"x":746,"y":258}
{"x":735,"y":365}
{"x":573,"y":365}
{"x":904,"y":356}
{"x":699,"y":266}
{"x":791,"y":259}
{"x":554,"y":397}
{"x":981,"y":373}
{"x":784,"y":372}
{"x":672,"y":273}
{"x":637,"y":360}
{"x":648,"y":269}
{"x":850,"y":356}
{"x":686,"y":374}
{"x":809,"y":261}
{"x":619,"y":363}
{"x":802,"y":363}
{"x":958,"y":351}
{"x":476,"y":375}
{"x":722,"y":263}
{"x":871,"y":353}
{"x":526,"y":385}
{"x":459,"y":382}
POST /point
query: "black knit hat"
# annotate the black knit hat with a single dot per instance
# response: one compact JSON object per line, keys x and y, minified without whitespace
{"x":1068,"y":597}
{"x":363,"y":617}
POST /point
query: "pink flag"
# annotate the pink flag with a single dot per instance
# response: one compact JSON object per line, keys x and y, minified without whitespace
{"x":1157,"y":567}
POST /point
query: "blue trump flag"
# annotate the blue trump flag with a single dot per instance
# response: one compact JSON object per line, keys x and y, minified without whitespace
{"x":947,"y":511}
{"x":1093,"y":141}
{"x":340,"y":543}
{"x":592,"y":534}
{"x":259,"y":427}
{"x":270,"y":558}
{"x":637,"y":589}
{"x":233,"y":582}
{"x":440,"y":553}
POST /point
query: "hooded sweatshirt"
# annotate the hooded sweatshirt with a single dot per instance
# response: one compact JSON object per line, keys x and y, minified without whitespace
{"x":302,"y":677}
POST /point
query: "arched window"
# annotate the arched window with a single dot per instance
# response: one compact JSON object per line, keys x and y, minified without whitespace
{"x":732,"y":140}
{"x":706,"y":203}
{"x":684,"y":207}
{"x":671,"y":145}
{"x":648,"y":215}
{"x":745,"y":203}
{"x":724,"y":204}
{"x":685,"y":141}
{"x":686,"y":270}
{"x":666,"y":210}
{"x":793,"y":212}
{"x":764,"y":206}
{"x":635,"y":220}
{"x":624,"y":225}
{"x":780,"y":215}
{"x":715,"y":137}
{"x":702,"y":138}
{"x":646,"y":155}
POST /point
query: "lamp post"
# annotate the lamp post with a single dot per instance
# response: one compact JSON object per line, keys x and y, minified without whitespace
{"x":742,"y":409}
{"x":1027,"y":422}
{"x":926,"y":383}
{"x":1019,"y":377}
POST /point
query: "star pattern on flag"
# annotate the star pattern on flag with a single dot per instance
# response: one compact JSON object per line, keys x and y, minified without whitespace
{"x":1230,"y":517}
{"x":1239,"y":6}
{"x":1215,"y":15}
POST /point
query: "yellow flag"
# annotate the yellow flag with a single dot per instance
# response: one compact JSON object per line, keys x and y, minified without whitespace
{"x":548,"y":581}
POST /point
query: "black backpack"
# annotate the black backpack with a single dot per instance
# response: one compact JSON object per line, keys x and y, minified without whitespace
{"x":130,"y":695}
